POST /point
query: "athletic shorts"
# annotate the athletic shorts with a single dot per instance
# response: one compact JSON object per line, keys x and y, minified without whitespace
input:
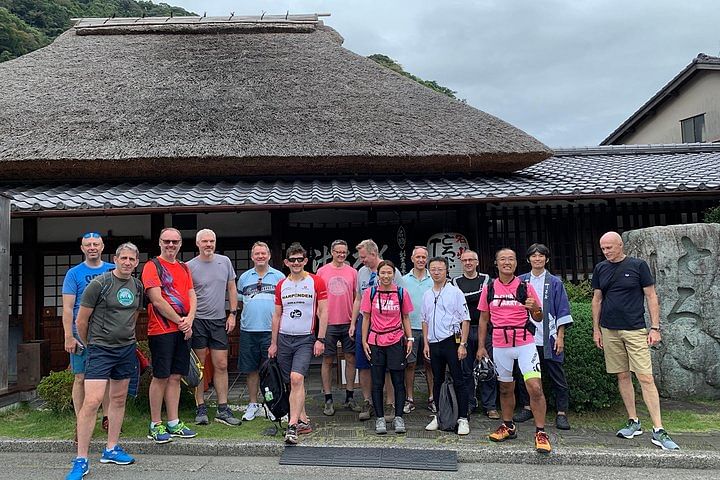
{"x":170,"y":354}
{"x":416,"y":355}
{"x":626,"y":351}
{"x":209,"y":334}
{"x":294,"y":353}
{"x":361,"y":361}
{"x":114,"y":363}
{"x":253,"y":350}
{"x":77,"y":362}
{"x":392,"y":357}
{"x":526,"y":356}
{"x":335,"y":334}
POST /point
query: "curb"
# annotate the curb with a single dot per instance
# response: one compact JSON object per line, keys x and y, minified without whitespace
{"x":466,"y":454}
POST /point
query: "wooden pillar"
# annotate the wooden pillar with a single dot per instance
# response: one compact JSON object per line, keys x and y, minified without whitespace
{"x":32,"y":275}
{"x":278,"y":228}
{"x":483,"y":239}
{"x":4,"y":292}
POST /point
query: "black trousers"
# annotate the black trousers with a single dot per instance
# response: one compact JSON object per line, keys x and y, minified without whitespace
{"x":556,"y":373}
{"x":488,"y":390}
{"x":390,"y":359}
{"x":443,"y":355}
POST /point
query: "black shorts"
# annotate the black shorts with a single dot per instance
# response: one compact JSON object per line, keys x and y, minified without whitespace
{"x":170,"y":354}
{"x":209,"y":334}
{"x":416,"y":354}
{"x":335,"y":334}
{"x":392,"y":357}
{"x":114,"y":363}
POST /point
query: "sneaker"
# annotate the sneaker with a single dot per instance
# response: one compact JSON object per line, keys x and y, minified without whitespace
{"x":399,"y":425}
{"x":389,"y":412}
{"x":523,"y":416}
{"x":303,"y":428}
{"x":380,"y":426}
{"x":117,"y":456}
{"x":181,"y":430}
{"x":431,"y":405}
{"x":251,"y":411}
{"x":463,"y":426}
{"x":409,"y":406}
{"x":366,"y":411}
{"x":351,"y":404}
{"x":493,"y":415}
{"x":201,"y":416}
{"x":226,"y":416}
{"x":329,"y":409}
{"x":80,"y":468}
{"x":291,"y":435}
{"x":630,"y":430}
{"x":503,"y":433}
{"x":542,"y":443}
{"x":663,"y":440}
{"x":105,"y":423}
{"x":562,"y":423}
{"x":159,"y":433}
{"x":433,"y":425}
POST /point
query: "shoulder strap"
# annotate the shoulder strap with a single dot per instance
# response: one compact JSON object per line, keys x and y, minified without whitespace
{"x":158,"y":266}
{"x":400,"y":294}
{"x":105,"y":287}
{"x":373,"y":292}
{"x":491,"y":291}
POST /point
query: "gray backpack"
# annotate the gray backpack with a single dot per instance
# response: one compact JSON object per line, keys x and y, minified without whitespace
{"x":447,"y":414}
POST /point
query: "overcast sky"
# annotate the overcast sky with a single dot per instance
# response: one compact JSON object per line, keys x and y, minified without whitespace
{"x":567,"y":72}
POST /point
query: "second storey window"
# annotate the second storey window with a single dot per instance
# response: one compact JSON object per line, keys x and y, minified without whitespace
{"x":693,"y":129}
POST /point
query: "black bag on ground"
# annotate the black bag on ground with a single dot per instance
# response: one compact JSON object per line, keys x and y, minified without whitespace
{"x":447,"y":414}
{"x":275,"y":395}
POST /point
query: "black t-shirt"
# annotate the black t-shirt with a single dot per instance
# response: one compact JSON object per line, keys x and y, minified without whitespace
{"x":623,"y":304}
{"x":471,"y":288}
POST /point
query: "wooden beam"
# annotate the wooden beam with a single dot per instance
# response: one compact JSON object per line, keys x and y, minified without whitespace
{"x":4,"y":291}
{"x":32,"y":287}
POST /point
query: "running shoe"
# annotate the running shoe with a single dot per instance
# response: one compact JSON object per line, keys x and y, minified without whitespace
{"x":366,"y":411}
{"x":380,"y":426}
{"x":523,"y":416}
{"x":159,"y":433}
{"x":329,"y":409}
{"x":303,"y":428}
{"x":117,"y":456}
{"x":493,"y":415}
{"x":226,"y":417}
{"x":389,"y":412}
{"x":630,"y":430}
{"x":463,"y":426}
{"x":201,"y":415}
{"x":542,"y":443}
{"x":251,"y":411}
{"x":503,"y":433}
{"x":80,"y":468}
{"x":433,"y":425}
{"x":181,"y":430}
{"x":562,"y":422}
{"x":409,"y":406}
{"x":399,"y":425}
{"x":291,"y":435}
{"x":663,"y":440}
{"x":351,"y":404}
{"x":431,"y":405}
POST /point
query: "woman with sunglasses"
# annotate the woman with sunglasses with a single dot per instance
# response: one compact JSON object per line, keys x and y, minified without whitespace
{"x":387,"y":341}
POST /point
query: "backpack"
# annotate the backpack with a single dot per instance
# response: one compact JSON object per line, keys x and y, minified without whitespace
{"x":447,"y":406}
{"x":196,"y":372}
{"x":275,"y":394}
{"x":521,"y":295}
{"x":401,"y":294}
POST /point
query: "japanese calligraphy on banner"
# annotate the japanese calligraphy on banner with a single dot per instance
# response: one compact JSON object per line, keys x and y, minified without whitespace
{"x":451,"y":246}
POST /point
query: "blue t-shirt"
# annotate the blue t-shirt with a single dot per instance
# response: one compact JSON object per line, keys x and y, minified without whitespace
{"x":416,"y":289}
{"x":623,"y":304}
{"x":77,"y":278}
{"x":257,"y":295}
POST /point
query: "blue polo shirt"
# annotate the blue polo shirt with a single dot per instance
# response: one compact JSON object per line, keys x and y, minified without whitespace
{"x":416,"y":289}
{"x":257,"y":295}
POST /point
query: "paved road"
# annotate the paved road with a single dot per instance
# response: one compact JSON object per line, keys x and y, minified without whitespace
{"x":155,"y":467}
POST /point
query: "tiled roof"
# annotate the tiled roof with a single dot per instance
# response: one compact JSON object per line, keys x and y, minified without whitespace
{"x":594,"y":172}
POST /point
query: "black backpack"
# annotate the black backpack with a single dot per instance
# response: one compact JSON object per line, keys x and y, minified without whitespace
{"x":275,"y":394}
{"x":447,"y":414}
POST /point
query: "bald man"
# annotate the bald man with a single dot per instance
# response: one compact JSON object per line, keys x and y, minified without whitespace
{"x":621,"y":285}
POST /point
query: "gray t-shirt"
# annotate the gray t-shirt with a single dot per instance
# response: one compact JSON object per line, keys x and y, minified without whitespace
{"x":368,"y":278}
{"x":211,"y":281}
{"x":114,"y":302}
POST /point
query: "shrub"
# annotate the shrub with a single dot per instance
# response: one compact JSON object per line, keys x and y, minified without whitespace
{"x":591,"y":388}
{"x":56,"y":391}
{"x":712,"y":215}
{"x":581,"y":292}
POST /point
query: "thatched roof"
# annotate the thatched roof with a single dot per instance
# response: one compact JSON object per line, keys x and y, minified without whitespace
{"x":252,"y":98}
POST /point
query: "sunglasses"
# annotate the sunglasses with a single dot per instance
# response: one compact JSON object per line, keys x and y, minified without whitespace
{"x":91,"y":235}
{"x":170,"y":242}
{"x":296,"y":259}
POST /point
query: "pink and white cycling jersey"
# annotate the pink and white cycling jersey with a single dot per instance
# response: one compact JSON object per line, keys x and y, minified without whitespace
{"x":506,"y":311}
{"x":299,"y":303}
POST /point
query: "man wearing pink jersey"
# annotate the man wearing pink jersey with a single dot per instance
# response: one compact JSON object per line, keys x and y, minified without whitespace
{"x":299,"y":298}
{"x":506,"y":303}
{"x":341,"y":281}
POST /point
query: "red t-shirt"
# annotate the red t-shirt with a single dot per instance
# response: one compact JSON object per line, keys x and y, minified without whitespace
{"x":385,"y":315}
{"x":506,"y":311}
{"x":175,"y":287}
{"x":299,"y":303}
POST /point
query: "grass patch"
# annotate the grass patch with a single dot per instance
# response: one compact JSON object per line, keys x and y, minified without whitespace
{"x":676,"y":419}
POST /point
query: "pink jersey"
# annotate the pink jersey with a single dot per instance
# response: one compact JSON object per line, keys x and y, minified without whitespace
{"x":385,"y":317}
{"x":341,"y":286}
{"x":299,"y":303}
{"x":505,"y":311}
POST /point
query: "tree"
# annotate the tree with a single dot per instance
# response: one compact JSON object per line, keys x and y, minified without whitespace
{"x":388,"y":62}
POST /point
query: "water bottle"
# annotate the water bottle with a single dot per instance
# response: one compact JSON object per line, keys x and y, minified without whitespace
{"x":268,"y":395}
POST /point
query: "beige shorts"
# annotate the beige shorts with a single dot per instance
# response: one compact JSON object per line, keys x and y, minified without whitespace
{"x":626,"y":350}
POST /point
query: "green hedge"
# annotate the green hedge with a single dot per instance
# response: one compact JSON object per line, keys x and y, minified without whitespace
{"x":712,"y":215}
{"x":56,"y":391}
{"x":591,"y":388}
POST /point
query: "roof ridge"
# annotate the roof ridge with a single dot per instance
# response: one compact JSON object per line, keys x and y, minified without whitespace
{"x":636,"y":149}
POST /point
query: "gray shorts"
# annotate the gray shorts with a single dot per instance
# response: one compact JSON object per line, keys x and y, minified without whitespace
{"x":294,"y":354}
{"x":335,"y":334}
{"x":417,"y":348}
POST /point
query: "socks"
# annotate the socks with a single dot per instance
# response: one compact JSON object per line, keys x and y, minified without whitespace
{"x":509,"y":424}
{"x":222,"y":406}
{"x":348,"y":395}
{"x":328,"y":397}
{"x":173,"y":423}
{"x":539,"y":429}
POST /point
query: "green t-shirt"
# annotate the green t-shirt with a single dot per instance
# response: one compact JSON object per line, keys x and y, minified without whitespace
{"x":114,"y":302}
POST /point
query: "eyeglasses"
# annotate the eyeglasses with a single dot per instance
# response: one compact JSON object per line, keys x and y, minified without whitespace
{"x":296,"y":259}
{"x":170,"y":242}
{"x":91,"y":235}
{"x":339,"y":253}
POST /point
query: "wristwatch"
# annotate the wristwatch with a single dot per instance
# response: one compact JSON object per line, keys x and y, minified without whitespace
{"x":463,"y":344}
{"x":657,"y":329}
{"x":321,"y":339}
{"x":410,"y":339}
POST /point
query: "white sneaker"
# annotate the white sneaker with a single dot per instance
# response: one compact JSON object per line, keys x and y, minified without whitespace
{"x":251,"y":412}
{"x":463,"y":426}
{"x":433,"y":425}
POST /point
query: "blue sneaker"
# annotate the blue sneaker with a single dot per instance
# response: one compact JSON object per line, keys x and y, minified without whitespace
{"x":630,"y":430}
{"x":117,"y":455}
{"x":181,"y":430}
{"x":663,"y":440}
{"x":159,"y":433}
{"x":80,"y":468}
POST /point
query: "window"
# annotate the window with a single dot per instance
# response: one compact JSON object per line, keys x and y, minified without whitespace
{"x":693,"y":129}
